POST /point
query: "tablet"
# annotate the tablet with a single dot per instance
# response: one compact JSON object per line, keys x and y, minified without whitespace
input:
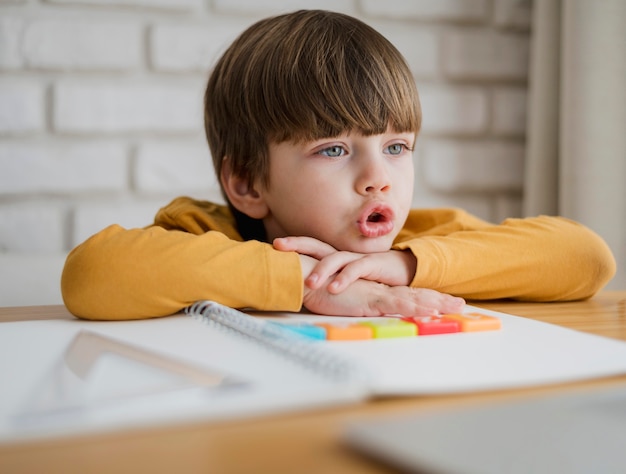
{"x":579,"y":432}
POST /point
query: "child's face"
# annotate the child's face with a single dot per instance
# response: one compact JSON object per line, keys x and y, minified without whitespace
{"x":353,"y":192}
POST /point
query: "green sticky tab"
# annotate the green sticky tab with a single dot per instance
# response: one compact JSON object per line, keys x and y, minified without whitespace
{"x":392,"y":327}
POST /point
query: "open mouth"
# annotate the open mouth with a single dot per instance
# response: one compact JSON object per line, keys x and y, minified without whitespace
{"x":375,"y":217}
{"x":376,"y":220}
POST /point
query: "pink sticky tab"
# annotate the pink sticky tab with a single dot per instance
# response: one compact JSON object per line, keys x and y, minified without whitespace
{"x":427,"y":325}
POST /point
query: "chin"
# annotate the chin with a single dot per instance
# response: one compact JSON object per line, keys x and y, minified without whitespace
{"x":369,"y":245}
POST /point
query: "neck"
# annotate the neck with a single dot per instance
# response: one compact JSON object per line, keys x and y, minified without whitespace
{"x":249,"y":228}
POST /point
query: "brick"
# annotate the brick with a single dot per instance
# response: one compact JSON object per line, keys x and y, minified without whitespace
{"x":269,"y":7}
{"x":91,"y":217}
{"x":513,"y":14}
{"x":157,"y":4}
{"x":191,"y":48}
{"x":22,"y":107}
{"x":128,"y":107}
{"x":29,"y":279}
{"x":425,"y":197}
{"x":459,"y":110}
{"x":419,"y":46}
{"x":475,"y":204}
{"x":36,"y":167}
{"x":509,"y":111}
{"x":11,"y":29}
{"x":447,"y":10}
{"x":507,"y":205}
{"x":485,"y":54}
{"x":175,"y":168}
{"x":459,"y":166}
{"x":34,"y":226}
{"x":84,"y":45}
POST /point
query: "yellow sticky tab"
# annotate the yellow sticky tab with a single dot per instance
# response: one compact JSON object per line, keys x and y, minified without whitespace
{"x":391,"y":328}
{"x":471,"y":322}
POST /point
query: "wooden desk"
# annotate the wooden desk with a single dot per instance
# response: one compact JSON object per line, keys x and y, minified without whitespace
{"x":304,"y":442}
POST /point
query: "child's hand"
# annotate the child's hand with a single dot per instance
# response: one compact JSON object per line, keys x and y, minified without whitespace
{"x":393,"y":268}
{"x":368,"y":298}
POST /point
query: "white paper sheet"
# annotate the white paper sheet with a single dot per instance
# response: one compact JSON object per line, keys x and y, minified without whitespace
{"x":36,"y":398}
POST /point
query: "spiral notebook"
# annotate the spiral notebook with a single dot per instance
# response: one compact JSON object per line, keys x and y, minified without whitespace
{"x":69,"y":377}
{"x":216,"y":363}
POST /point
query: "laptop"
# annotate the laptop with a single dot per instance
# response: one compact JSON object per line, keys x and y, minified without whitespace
{"x":581,"y":432}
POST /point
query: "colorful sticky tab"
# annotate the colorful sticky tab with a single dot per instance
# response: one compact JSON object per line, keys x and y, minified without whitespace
{"x":346,"y":332}
{"x":308,"y":330}
{"x":391,"y":327}
{"x":476,"y":322}
{"x":427,"y":325}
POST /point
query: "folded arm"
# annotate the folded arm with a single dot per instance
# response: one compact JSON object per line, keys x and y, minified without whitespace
{"x":532,"y":259}
{"x":538,"y":259}
{"x":142,"y":273}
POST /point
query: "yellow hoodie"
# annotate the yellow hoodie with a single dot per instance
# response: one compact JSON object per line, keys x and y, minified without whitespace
{"x":193,"y":251}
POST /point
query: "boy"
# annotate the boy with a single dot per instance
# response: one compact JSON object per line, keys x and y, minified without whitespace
{"x":311,"y":118}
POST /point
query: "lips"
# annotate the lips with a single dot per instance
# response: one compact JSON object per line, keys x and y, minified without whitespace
{"x":376,"y":220}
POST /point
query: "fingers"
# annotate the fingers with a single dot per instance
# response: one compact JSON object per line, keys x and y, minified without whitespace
{"x":441,"y":302}
{"x":338,"y":264}
{"x":453,"y":305}
{"x":331,"y":262}
{"x":351,"y":270}
{"x":407,"y":301}
{"x":369,"y":298}
{"x":304,"y":245}
{"x":399,"y":306}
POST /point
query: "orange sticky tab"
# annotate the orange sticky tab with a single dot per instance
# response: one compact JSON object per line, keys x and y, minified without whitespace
{"x":346,"y":332}
{"x":476,"y":322}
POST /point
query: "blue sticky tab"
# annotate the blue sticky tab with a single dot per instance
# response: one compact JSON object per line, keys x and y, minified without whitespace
{"x":307,"y":330}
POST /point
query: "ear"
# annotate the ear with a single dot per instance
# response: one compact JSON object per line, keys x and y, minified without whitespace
{"x":245,"y":198}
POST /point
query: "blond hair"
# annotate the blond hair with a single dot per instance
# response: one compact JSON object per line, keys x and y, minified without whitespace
{"x":303,"y":76}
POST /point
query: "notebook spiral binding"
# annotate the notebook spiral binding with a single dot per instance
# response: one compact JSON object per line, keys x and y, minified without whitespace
{"x":298,"y":348}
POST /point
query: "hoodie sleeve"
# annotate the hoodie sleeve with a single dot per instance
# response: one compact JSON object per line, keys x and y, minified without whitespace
{"x":142,"y":273}
{"x":533,"y":259}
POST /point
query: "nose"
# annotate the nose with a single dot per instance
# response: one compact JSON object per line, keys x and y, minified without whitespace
{"x":373,"y":176}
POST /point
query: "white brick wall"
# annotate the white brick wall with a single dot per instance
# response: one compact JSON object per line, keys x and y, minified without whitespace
{"x":508,"y":115}
{"x":273,"y":7}
{"x":79,"y":45}
{"x":473,"y":167}
{"x":101,"y":112}
{"x":22,"y":107}
{"x":475,"y":53}
{"x":454,"y":109}
{"x":11,"y":33}
{"x":185,"y":167}
{"x":114,"y":106}
{"x":71,"y":169}
{"x":185,"y":48}
{"x":428,"y":10}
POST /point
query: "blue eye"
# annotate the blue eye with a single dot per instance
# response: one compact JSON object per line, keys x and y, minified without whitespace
{"x":395,"y":149}
{"x":333,"y":151}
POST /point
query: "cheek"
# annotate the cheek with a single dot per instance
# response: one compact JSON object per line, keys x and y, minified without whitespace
{"x":315,"y":211}
{"x":297,"y":202}
{"x":405,"y":180}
